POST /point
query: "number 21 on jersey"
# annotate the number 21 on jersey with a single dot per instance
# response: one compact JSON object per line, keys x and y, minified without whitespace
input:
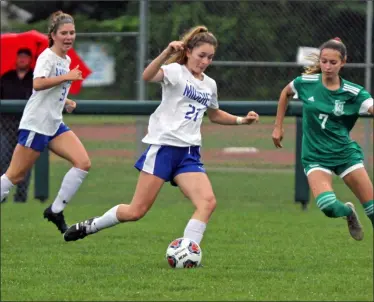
{"x":324,"y":118}
{"x":192,"y":113}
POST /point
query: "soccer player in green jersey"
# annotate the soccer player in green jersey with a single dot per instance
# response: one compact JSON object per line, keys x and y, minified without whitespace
{"x":331,"y":106}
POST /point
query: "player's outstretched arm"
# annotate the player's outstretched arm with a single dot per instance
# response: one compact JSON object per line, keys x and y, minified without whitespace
{"x":281,"y":111}
{"x":221,"y":117}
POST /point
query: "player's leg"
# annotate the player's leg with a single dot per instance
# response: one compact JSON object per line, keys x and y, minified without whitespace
{"x":27,"y":151}
{"x":12,"y":140}
{"x":358,"y":180}
{"x":23,"y":188}
{"x":197,"y":187}
{"x":68,"y":146}
{"x":146,"y":191}
{"x":6,"y":149}
{"x":8,"y":142}
{"x":320,"y":183}
{"x":155,"y":168}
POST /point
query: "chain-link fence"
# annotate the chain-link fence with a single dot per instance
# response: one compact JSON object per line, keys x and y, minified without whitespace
{"x":257,"y":38}
{"x":112,"y":57}
{"x":255,"y":59}
{"x":8,"y":141}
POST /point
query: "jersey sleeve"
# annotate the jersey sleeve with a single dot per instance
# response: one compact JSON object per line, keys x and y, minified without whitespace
{"x":296,"y":87}
{"x":214,"y":101}
{"x":43,"y":67}
{"x":172,"y":73}
{"x":364,"y":101}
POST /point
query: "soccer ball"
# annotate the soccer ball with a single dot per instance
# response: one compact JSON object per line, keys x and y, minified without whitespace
{"x":183,"y":253}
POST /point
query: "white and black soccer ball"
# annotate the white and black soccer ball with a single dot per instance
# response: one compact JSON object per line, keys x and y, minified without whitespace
{"x":183,"y":253}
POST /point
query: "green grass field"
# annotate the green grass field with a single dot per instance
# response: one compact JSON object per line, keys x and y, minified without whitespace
{"x":259,"y":245}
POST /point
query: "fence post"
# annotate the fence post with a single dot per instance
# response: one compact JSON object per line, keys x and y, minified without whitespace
{"x":301,"y":181}
{"x":42,"y":176}
{"x":141,"y":56}
{"x":368,"y":128}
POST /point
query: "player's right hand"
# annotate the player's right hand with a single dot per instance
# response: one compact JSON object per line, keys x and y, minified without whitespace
{"x":174,"y":46}
{"x":74,"y":75}
{"x":277,"y":137}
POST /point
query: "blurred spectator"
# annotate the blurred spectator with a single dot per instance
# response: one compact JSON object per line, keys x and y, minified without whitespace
{"x":15,"y":84}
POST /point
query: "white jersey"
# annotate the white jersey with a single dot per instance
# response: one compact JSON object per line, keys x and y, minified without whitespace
{"x":43,"y":111}
{"x":177,"y":120}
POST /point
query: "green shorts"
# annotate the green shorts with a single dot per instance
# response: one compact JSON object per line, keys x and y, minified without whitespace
{"x":340,"y":170}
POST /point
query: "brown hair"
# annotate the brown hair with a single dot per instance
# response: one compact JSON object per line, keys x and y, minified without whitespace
{"x":335,"y":44}
{"x":56,"y":20}
{"x":193,"y":38}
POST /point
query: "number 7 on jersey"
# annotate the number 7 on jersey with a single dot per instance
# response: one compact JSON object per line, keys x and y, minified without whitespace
{"x":324,"y":118}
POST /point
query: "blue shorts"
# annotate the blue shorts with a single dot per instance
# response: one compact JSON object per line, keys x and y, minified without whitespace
{"x":167,"y":162}
{"x":37,"y":141}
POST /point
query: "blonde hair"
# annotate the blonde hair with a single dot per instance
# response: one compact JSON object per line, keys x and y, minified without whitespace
{"x":315,"y":67}
{"x":335,"y":44}
{"x":195,"y":37}
{"x":56,"y":20}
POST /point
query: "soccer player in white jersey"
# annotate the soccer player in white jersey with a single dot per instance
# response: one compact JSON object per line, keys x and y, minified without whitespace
{"x":174,"y":136}
{"x":41,"y":125}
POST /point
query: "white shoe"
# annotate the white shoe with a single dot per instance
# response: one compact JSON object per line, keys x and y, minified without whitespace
{"x":354,"y":225}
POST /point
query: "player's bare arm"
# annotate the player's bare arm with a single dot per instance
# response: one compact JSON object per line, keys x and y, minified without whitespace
{"x":278,"y":131}
{"x":153,"y":72}
{"x":221,"y":117}
{"x":43,"y":83}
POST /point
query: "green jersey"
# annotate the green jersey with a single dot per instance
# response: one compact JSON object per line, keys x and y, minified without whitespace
{"x":328,"y":118}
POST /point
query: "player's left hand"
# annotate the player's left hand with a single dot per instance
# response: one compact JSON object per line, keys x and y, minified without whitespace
{"x":70,"y":105}
{"x":250,"y":118}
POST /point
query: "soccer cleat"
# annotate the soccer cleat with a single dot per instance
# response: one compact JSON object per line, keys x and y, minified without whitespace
{"x":79,"y":230}
{"x":354,"y":225}
{"x":57,"y":218}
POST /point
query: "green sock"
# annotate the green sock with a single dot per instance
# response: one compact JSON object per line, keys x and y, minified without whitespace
{"x":332,"y":207}
{"x":369,"y":210}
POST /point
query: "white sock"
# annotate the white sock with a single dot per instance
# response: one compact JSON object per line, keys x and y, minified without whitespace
{"x":70,"y":185}
{"x":195,"y":230}
{"x":5,"y":187}
{"x":108,"y":220}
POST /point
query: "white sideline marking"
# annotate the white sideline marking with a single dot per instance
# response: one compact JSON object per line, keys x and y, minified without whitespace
{"x":240,"y":150}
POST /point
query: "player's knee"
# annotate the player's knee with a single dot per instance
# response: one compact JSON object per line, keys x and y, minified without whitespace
{"x":83,"y":164}
{"x":209,"y":204}
{"x":137,"y":213}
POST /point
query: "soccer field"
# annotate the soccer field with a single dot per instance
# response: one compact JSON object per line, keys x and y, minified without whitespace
{"x":259,"y":244}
